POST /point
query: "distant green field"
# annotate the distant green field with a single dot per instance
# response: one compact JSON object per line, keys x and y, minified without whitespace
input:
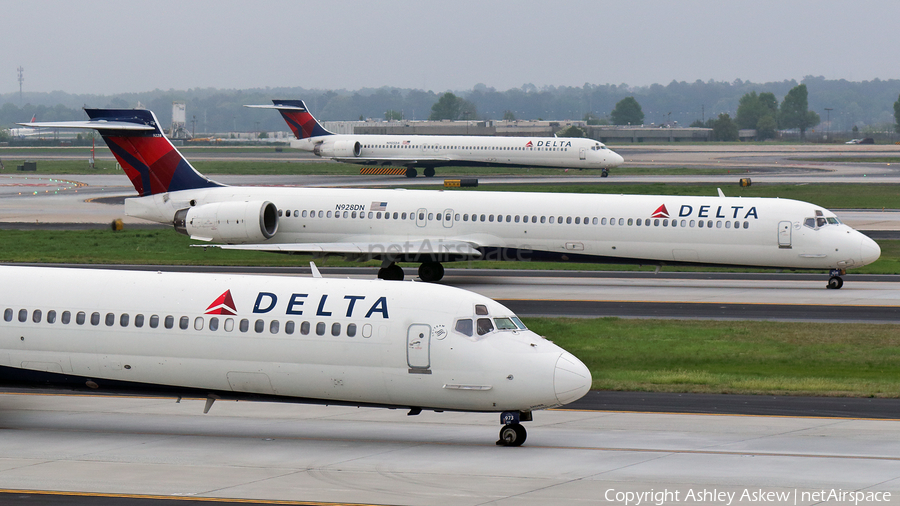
{"x":745,"y":357}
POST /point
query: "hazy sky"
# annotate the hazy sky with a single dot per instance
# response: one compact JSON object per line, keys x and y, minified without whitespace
{"x":119,"y":46}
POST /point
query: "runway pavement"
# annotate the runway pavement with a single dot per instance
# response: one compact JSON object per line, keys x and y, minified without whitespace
{"x":271,"y":452}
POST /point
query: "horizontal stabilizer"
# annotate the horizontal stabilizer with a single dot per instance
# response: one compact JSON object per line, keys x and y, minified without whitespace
{"x":278,"y":107}
{"x":96,"y":125}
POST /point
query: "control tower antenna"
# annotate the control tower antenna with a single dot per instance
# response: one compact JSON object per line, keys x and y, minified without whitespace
{"x":21,"y":79}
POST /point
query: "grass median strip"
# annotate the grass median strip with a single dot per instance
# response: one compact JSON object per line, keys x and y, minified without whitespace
{"x":746,"y":357}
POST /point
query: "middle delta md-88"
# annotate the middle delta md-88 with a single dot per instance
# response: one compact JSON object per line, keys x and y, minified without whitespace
{"x":415,"y":346}
{"x":430,"y":227}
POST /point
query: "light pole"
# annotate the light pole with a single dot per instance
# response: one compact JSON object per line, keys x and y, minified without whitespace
{"x":828,"y":120}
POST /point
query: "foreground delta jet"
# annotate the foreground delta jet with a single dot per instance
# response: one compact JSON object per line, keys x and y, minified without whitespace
{"x":273,"y":338}
{"x":431,"y":227}
{"x":430,"y":151}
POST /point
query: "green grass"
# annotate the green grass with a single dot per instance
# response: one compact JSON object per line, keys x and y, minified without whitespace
{"x":747,"y":357}
{"x":165,"y":246}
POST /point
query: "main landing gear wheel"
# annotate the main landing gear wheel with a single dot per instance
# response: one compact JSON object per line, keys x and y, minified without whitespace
{"x":411,"y":172}
{"x":392,"y":272}
{"x":604,"y":173}
{"x":431,"y":271}
{"x":512,"y":435}
{"x":429,"y":172}
{"x":835,"y":282}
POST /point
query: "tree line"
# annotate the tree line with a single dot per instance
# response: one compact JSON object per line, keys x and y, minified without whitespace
{"x":863,"y":104}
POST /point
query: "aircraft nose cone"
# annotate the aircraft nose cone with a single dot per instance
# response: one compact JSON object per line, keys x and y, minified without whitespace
{"x":616,"y":159}
{"x":869,"y":251}
{"x":571,"y":380}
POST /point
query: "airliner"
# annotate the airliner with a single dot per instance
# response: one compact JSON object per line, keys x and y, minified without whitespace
{"x":430,"y":151}
{"x":21,"y":133}
{"x":430,"y":226}
{"x":415,"y":346}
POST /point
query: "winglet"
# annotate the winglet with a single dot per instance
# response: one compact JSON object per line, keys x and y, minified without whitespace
{"x":721,"y":194}
{"x":315,"y":270}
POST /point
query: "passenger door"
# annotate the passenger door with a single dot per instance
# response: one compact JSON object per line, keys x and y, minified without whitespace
{"x":581,"y":154}
{"x":784,"y":234}
{"x":421,"y":217}
{"x":448,"y":218}
{"x":418,"y":348}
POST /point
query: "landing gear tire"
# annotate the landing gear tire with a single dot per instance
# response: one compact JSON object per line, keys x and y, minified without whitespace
{"x":392,"y":272}
{"x":604,"y":173}
{"x":411,"y":172}
{"x":513,"y":434}
{"x":835,"y":283}
{"x":431,"y":271}
{"x":429,"y":172}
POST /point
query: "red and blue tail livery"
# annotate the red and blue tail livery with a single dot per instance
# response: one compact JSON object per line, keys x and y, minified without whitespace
{"x":151,"y":162}
{"x":298,"y":118}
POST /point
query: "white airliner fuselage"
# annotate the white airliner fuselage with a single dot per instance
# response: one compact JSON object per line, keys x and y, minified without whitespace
{"x":435,"y":226}
{"x":329,"y":341}
{"x":430,"y":151}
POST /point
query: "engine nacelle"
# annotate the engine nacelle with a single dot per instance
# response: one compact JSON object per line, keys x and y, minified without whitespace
{"x":229,"y":222}
{"x":339,"y":149}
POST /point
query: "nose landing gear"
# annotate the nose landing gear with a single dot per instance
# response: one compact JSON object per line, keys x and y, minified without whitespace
{"x":835,"y":282}
{"x":513,"y":433}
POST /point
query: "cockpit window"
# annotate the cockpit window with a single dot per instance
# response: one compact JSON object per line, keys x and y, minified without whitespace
{"x":519,"y":323}
{"x":481,"y":309}
{"x":505,"y":324}
{"x":820,"y":222}
{"x":485,"y":326}
{"x":810,"y":222}
{"x":464,"y":326}
{"x":833,"y":221}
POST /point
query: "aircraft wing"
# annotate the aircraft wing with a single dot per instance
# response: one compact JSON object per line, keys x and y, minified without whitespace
{"x":422,"y":247}
{"x":96,"y":125}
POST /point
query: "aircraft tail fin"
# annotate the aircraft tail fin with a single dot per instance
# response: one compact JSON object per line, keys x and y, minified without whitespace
{"x":34,"y":118}
{"x":148,"y":158}
{"x":298,"y":118}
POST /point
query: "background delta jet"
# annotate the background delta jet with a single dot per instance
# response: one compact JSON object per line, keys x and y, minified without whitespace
{"x":430,"y":151}
{"x":430,"y":227}
{"x":325,"y":341}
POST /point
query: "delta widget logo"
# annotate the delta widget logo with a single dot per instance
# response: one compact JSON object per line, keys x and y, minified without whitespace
{"x":529,"y":145}
{"x":223,"y":304}
{"x":661,"y":212}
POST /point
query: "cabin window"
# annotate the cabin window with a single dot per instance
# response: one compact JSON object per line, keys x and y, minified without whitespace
{"x":674,"y":223}
{"x":683,"y":222}
{"x":183,"y":322}
{"x":213,"y":323}
{"x":727,"y":224}
{"x":559,"y":219}
{"x":491,"y":218}
{"x":482,"y":217}
{"x":692,"y":223}
{"x":508,"y":218}
{"x":296,"y":213}
{"x":154,"y":321}
{"x":110,"y":319}
{"x":79,"y":318}
{"x":335,"y":329}
{"x":534,"y":219}
{"x":481,"y":309}
{"x":709,"y":224}
{"x":367,"y":330}
{"x":595,"y":221}
{"x":568,"y":220}
{"x":95,"y":318}
{"x":346,"y":214}
{"x":229,"y":324}
{"x":51,"y":316}
{"x":198,"y":323}
{"x":244,"y":325}
{"x":656,"y":222}
{"x":320,"y":329}
{"x":552,"y":220}
{"x":259,"y":326}
{"x":351,"y":330}
{"x":66,"y":317}
{"x":289,"y":327}
{"x":639,"y":222}
{"x":402,"y":216}
{"x":353,"y":214}
{"x":630,"y":221}
{"x":737,"y":224}
{"x":430,"y":216}
{"x":484,"y":326}
{"x":273,"y":327}
{"x":304,"y":328}
{"x":328,"y":214}
{"x":718,"y":224}
{"x":395,"y":215}
{"x":8,"y":314}
{"x":578,"y":220}
{"x":23,"y":315}
{"x":466,"y":217}
{"x":305,"y":213}
{"x":421,"y":216}
{"x":621,"y":221}
{"x":438,"y":216}
{"x":36,"y":316}
{"x":378,"y":215}
{"x":123,"y":320}
{"x":700,"y":223}
{"x":505,"y":324}
{"x":665,"y":223}
{"x":371,"y":215}
{"x":746,"y":224}
{"x":464,"y":326}
{"x":544,"y":219}
{"x":279,"y":213}
{"x":321,"y":213}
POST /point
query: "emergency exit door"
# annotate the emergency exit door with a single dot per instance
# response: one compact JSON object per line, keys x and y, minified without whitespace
{"x":418,"y":347}
{"x":784,"y":234}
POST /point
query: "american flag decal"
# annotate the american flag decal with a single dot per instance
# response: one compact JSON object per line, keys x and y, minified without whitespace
{"x":378,"y":206}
